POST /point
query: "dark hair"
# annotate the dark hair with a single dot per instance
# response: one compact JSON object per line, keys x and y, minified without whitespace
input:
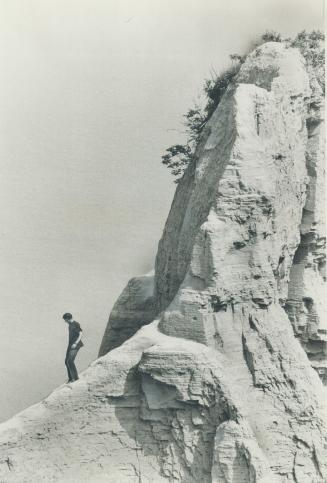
{"x":67,"y":316}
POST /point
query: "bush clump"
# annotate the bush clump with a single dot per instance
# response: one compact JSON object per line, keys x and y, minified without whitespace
{"x":178,"y":156}
{"x":311,"y":46}
{"x":271,"y":36}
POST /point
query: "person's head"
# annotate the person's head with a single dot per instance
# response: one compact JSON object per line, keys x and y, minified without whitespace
{"x":67,"y":317}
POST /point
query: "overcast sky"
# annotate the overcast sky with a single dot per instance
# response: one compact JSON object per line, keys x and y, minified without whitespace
{"x":91,"y":94}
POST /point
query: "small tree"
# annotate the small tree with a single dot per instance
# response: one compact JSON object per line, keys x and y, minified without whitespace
{"x":177,"y":157}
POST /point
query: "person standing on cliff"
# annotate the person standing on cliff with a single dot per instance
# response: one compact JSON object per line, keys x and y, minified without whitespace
{"x":74,"y":345}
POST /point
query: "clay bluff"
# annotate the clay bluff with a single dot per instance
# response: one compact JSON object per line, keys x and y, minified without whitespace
{"x":212,"y":368}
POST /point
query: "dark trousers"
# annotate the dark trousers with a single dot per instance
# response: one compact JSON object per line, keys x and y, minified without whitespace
{"x":69,"y":361}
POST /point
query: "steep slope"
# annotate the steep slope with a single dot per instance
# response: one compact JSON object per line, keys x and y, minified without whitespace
{"x":217,"y":388}
{"x":306,"y":302}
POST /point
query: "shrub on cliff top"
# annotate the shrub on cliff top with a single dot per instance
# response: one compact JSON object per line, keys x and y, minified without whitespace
{"x":311,"y":46}
{"x":178,"y":156}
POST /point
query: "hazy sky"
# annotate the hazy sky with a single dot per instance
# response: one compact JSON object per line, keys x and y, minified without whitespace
{"x":91,"y":94}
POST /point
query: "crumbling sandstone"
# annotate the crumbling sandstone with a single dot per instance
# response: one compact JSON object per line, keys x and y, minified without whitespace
{"x":206,"y":369}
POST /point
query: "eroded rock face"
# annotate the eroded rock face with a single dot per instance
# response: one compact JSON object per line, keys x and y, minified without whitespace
{"x":134,"y":308}
{"x":218,"y":388}
{"x":306,"y":302}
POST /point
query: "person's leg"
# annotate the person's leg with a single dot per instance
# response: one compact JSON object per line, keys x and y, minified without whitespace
{"x":71,"y":365}
{"x":68,"y":367}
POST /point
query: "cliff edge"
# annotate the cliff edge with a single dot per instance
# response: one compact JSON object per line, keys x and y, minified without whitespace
{"x":209,"y":369}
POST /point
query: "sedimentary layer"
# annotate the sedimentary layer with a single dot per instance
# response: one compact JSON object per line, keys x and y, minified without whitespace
{"x":206,"y":369}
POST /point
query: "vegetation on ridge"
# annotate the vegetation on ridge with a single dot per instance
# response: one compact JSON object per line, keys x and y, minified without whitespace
{"x":311,"y":45}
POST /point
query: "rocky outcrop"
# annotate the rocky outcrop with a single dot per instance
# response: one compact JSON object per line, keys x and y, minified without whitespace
{"x":134,"y":308}
{"x":160,"y":408}
{"x":306,"y":302}
{"x":218,"y":388}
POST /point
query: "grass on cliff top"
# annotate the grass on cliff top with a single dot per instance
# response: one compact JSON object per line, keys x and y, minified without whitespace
{"x":311,"y":46}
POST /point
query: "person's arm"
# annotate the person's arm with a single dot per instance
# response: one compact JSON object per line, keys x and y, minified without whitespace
{"x":78,"y":339}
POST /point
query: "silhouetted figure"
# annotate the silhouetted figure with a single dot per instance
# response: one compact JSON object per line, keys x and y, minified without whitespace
{"x":74,"y":345}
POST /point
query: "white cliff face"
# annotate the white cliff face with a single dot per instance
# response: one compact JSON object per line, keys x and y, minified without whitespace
{"x":218,"y":388}
{"x":306,"y":303}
